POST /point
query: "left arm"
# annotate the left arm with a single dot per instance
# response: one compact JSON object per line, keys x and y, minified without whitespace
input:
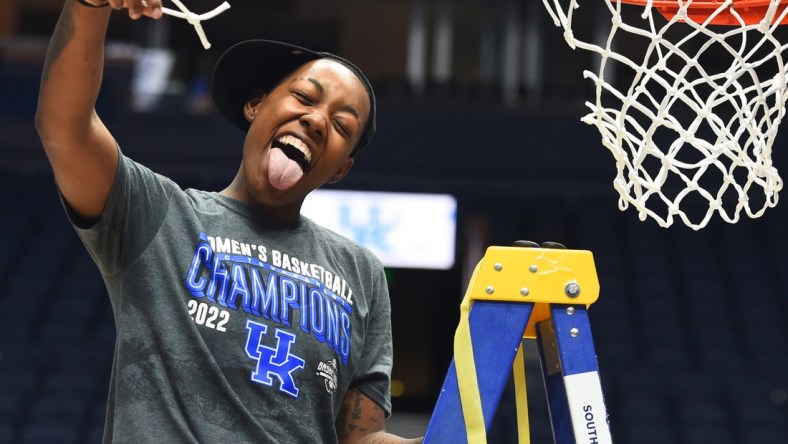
{"x":362,"y":421}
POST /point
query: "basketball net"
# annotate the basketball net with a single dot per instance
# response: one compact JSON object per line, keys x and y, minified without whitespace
{"x":692,"y":133}
{"x":195,"y":19}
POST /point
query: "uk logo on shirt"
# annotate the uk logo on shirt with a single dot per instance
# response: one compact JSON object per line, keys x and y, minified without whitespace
{"x":273,"y":363}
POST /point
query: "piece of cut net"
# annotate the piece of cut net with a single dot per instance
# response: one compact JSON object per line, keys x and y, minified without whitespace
{"x":691,"y":111}
{"x":195,"y":19}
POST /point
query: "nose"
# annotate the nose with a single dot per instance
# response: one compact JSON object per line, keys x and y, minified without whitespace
{"x":315,"y":123}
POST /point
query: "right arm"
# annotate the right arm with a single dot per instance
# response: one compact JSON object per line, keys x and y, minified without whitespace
{"x":79,"y":147}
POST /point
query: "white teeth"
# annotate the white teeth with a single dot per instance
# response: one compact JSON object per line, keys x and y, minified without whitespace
{"x":297,"y":144}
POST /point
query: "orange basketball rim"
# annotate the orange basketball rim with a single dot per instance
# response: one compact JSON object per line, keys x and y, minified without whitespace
{"x":750,"y":11}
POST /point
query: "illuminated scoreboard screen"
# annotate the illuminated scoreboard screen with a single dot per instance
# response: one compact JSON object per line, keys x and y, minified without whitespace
{"x":405,"y":230}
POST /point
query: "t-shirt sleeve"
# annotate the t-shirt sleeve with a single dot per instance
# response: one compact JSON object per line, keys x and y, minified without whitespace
{"x":373,"y":377}
{"x":133,"y":213}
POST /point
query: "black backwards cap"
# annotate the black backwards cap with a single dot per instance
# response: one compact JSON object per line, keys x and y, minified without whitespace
{"x":254,"y":65}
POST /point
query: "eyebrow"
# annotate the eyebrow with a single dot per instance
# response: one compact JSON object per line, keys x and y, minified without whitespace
{"x":319,"y":86}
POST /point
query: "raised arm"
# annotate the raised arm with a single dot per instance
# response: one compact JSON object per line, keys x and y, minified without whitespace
{"x":79,"y":147}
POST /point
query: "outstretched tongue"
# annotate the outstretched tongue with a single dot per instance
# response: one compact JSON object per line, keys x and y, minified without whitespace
{"x":283,"y":172}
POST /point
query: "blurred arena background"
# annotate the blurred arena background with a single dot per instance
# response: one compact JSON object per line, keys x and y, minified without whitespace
{"x":478,"y":99}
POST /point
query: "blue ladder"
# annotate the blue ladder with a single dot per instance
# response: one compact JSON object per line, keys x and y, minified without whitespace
{"x":521,"y":293}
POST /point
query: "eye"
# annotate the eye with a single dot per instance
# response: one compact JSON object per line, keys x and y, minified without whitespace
{"x":304,"y":98}
{"x":342,"y":128}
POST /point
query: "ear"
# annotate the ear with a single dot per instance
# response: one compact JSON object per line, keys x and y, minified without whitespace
{"x":342,"y":171}
{"x":250,"y":107}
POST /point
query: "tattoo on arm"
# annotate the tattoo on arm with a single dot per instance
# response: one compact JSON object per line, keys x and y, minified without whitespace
{"x":64,"y":31}
{"x":358,"y":415}
{"x":356,"y":404}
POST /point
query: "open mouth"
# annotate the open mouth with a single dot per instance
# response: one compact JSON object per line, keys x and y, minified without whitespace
{"x":294,"y":149}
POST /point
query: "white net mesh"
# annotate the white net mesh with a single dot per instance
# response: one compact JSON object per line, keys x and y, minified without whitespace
{"x":195,"y":19}
{"x":689,"y":110}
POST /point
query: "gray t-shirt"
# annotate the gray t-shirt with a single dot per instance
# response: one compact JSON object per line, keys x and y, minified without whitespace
{"x":232,"y":325}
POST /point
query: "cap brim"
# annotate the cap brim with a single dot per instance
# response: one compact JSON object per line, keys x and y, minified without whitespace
{"x":249,"y":67}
